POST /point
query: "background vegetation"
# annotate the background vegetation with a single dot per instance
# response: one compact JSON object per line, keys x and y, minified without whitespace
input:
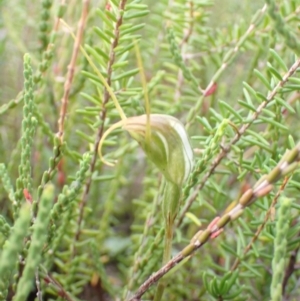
{"x":72,"y":228}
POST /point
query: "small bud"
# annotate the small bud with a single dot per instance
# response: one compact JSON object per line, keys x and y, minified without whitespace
{"x":211,"y":89}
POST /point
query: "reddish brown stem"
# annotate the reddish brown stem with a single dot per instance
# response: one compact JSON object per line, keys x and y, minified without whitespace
{"x":102,"y":117}
{"x":71,"y":68}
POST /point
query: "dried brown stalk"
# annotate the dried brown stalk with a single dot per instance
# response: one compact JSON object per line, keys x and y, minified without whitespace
{"x":261,"y":226}
{"x":71,"y":68}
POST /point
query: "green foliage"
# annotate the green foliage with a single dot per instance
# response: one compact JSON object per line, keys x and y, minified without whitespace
{"x":11,"y":249}
{"x":280,"y":244}
{"x":35,"y":250}
{"x":72,"y":228}
{"x":29,"y":124}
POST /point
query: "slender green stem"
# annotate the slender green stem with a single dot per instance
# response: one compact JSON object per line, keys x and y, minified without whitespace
{"x":159,"y":291}
{"x":170,"y":206}
{"x":166,"y":257}
{"x":168,"y":242}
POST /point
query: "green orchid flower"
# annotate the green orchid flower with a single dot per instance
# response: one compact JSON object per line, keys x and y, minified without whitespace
{"x":167,"y":146}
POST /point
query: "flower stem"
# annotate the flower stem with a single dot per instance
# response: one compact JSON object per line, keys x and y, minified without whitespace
{"x":166,"y":257}
{"x":171,"y":206}
{"x":168,"y":242}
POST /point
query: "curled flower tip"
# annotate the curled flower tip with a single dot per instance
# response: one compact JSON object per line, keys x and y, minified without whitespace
{"x":107,"y":132}
{"x":168,"y":147}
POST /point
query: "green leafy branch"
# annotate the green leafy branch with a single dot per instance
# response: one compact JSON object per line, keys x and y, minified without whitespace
{"x":225,"y":149}
{"x":287,"y":164}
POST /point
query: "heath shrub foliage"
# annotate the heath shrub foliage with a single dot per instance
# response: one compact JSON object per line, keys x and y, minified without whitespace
{"x":149,"y":150}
